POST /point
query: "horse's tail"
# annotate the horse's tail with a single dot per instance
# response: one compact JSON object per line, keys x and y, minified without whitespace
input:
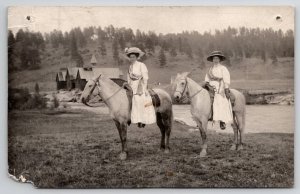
{"x":244,"y":118}
{"x":165,"y":107}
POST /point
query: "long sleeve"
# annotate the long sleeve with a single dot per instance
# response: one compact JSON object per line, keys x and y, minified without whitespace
{"x":145,"y":75}
{"x":128,"y":79}
{"x":207,"y":79}
{"x":144,"y":72}
{"x":226,"y":77}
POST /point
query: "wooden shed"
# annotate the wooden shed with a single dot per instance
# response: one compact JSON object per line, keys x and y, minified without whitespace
{"x":71,"y":77}
{"x":61,"y":82}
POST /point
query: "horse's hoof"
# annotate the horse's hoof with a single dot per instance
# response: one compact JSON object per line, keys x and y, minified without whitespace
{"x":167,"y":151}
{"x":240,"y":147}
{"x":233,"y":147}
{"x":203,"y":153}
{"x":123,"y":155}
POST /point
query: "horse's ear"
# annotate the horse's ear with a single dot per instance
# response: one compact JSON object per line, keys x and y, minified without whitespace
{"x":185,"y":74}
{"x":97,"y":78}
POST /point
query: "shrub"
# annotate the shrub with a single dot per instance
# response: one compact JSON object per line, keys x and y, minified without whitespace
{"x":17,"y":97}
{"x":35,"y":102}
{"x":21,"y":99}
{"x":55,"y":101}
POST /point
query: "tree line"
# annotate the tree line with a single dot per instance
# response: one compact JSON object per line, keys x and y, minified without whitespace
{"x":25,"y":47}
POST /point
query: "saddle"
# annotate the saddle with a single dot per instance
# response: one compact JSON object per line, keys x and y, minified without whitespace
{"x":211,"y":91}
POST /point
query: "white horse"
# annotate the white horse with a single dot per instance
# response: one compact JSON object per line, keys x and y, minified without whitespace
{"x":116,"y":99}
{"x":184,"y":87}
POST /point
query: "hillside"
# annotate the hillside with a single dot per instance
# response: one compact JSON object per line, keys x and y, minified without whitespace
{"x":245,"y":73}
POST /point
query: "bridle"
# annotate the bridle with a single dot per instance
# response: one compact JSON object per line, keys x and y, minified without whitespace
{"x":97,"y":84}
{"x":184,"y":89}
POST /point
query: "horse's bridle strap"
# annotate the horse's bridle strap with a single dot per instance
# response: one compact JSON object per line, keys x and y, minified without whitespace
{"x":182,"y":92}
{"x":97,"y":85}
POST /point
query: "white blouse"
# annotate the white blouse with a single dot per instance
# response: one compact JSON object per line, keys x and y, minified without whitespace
{"x":221,"y":72}
{"x":138,"y":70}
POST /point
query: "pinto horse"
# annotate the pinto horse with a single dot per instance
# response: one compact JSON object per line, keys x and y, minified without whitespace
{"x":185,"y":87}
{"x":116,"y":99}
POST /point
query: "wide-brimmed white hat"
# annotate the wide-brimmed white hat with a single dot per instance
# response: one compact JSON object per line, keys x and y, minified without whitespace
{"x":134,"y":50}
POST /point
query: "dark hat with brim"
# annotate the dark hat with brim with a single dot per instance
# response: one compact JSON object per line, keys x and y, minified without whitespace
{"x":216,"y":54}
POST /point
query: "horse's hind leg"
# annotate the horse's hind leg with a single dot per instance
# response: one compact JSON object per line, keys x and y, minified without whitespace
{"x":241,"y":126}
{"x":167,"y":119}
{"x":235,"y":131}
{"x":122,"y":128}
{"x":160,"y":124}
{"x":164,"y":122}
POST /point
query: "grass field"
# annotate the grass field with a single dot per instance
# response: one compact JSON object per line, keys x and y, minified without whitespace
{"x":79,"y":149}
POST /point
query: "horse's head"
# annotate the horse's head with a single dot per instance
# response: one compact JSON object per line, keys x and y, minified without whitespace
{"x":179,"y":86}
{"x":90,"y":89}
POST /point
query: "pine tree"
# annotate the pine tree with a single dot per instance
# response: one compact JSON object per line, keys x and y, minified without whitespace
{"x":263,"y":55}
{"x":173,"y":52}
{"x":149,"y":44}
{"x":102,"y":48}
{"x":274,"y":58}
{"x":162,"y":58}
{"x":37,"y":88}
{"x":11,"y":45}
{"x":79,"y":61}
{"x":122,"y":42}
{"x":180,"y":45}
{"x":227,"y":55}
{"x":200,"y":58}
{"x":75,"y":56}
{"x":189,"y":51}
{"x":115,"y":51}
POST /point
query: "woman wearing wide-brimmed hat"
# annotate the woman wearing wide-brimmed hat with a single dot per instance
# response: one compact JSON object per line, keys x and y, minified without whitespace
{"x":218,"y":77}
{"x":141,"y":113}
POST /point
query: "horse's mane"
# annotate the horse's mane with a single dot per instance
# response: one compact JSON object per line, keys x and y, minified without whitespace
{"x":118,"y":81}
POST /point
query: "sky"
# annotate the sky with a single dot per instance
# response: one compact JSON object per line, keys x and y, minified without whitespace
{"x":158,"y":19}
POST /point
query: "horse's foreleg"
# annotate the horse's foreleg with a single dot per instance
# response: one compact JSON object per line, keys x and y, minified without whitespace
{"x":122,"y":128}
{"x":241,"y":127}
{"x":168,"y":132}
{"x":235,"y":132}
{"x":160,"y":124}
{"x":202,"y":128}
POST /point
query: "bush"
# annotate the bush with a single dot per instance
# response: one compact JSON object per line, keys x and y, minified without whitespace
{"x":55,"y":101}
{"x":35,"y":102}
{"x":17,"y":97}
{"x":21,"y":99}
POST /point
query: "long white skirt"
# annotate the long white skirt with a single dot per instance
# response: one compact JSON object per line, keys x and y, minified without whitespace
{"x":222,"y":109}
{"x":142,"y":110}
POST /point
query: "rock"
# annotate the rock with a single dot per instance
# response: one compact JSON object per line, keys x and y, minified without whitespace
{"x":280,"y":99}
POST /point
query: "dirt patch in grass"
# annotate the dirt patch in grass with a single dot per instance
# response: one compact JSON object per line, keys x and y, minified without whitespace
{"x":67,"y":152}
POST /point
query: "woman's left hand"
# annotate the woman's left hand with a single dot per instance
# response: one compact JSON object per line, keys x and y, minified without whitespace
{"x":227,"y":93}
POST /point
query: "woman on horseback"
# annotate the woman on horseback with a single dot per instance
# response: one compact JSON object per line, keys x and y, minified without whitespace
{"x":141,"y":113}
{"x":218,"y":77}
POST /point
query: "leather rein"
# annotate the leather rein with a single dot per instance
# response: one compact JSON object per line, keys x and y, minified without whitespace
{"x":96,"y":84}
{"x":184,"y":89}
